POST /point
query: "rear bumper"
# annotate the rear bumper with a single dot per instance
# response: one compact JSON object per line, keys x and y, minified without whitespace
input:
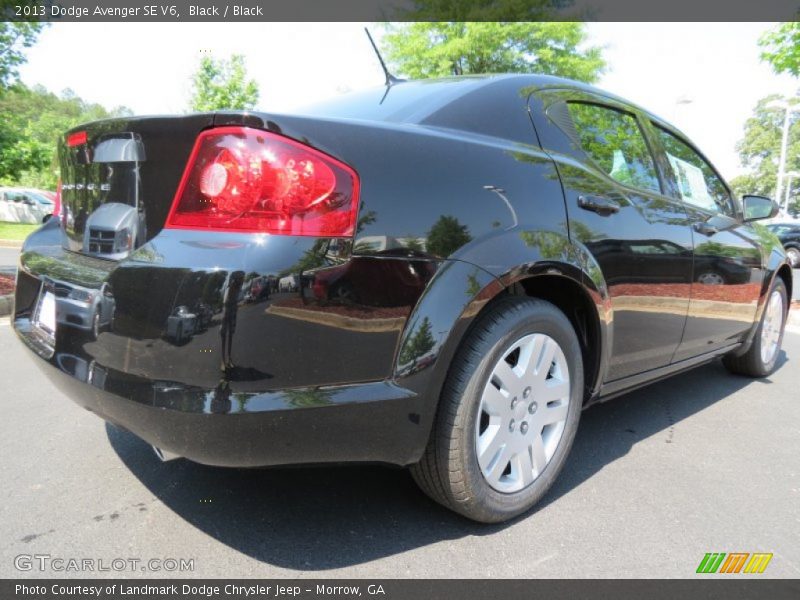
{"x":258,"y":386}
{"x":371,"y":422}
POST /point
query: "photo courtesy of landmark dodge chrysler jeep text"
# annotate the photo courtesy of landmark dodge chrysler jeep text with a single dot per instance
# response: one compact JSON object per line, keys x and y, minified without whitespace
{"x":436,"y":274}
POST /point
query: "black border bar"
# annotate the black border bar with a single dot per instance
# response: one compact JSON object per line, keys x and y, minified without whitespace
{"x":723,"y":588}
{"x":399,"y":10}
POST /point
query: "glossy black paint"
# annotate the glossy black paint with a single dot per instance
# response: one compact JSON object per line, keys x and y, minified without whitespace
{"x":246,"y":349}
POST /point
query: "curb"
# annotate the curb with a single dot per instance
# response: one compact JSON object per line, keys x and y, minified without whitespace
{"x":6,"y":304}
{"x":11,"y":243}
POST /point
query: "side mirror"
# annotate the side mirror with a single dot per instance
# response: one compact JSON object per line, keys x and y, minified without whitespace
{"x":759,"y":207}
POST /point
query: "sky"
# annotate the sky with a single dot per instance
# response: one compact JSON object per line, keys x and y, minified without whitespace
{"x":705,"y":78}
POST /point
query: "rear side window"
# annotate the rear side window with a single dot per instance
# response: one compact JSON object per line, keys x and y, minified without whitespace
{"x":614,"y":142}
{"x":695,"y":180}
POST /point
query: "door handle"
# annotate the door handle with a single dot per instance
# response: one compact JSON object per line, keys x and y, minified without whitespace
{"x":602,"y":206}
{"x":704,"y":228}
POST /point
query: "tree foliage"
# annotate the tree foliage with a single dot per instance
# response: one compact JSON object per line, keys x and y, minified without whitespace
{"x":220,"y":84}
{"x":759,"y":151}
{"x":14,"y":39}
{"x":782,"y":48}
{"x":481,"y":10}
{"x":31,"y":121}
{"x":420,"y":342}
{"x":420,"y":50}
{"x":446,"y":236}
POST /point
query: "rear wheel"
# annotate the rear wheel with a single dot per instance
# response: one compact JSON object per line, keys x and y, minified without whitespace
{"x":508,"y":413}
{"x":762,"y":356}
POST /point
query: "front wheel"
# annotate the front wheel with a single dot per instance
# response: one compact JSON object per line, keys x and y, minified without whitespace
{"x":762,"y":356}
{"x":508,"y":413}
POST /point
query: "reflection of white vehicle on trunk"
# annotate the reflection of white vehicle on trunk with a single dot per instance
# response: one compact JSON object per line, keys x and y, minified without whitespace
{"x":181,"y":324}
{"x":84,"y":308}
{"x":18,"y":205}
{"x":112,"y":220}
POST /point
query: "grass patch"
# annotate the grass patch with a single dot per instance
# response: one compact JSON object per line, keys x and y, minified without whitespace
{"x":16,"y":231}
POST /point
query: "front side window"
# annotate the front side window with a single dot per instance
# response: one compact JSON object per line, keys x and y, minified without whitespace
{"x":614,"y":142}
{"x":696,"y":181}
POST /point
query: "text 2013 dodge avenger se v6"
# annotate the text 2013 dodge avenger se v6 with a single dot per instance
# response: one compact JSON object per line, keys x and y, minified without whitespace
{"x":438,"y":274}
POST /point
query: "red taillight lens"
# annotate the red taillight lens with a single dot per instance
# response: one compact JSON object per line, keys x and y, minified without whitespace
{"x":57,"y":202}
{"x":243,"y":179}
{"x":76,"y":139}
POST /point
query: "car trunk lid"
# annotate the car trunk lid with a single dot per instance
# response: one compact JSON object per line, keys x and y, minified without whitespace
{"x":119,"y":178}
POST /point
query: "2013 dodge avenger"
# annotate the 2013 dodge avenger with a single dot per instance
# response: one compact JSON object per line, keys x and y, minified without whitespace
{"x":470,"y":262}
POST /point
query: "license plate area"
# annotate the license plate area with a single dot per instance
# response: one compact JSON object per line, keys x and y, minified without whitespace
{"x":44,"y":317}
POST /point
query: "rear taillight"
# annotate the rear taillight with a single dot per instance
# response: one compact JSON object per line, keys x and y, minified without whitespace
{"x":57,"y":201}
{"x":243,"y":179}
{"x":76,"y":139}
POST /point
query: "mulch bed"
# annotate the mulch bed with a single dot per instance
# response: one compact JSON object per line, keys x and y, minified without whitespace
{"x":740,"y":293}
{"x":6,"y":284}
{"x":355,"y":311}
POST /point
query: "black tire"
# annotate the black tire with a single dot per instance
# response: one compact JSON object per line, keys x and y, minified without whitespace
{"x":751,"y":363}
{"x":449,"y":472}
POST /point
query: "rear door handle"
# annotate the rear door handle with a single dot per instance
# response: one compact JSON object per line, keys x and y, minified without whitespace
{"x":602,"y":206}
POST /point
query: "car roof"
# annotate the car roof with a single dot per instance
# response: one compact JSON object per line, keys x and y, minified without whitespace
{"x":414,"y":101}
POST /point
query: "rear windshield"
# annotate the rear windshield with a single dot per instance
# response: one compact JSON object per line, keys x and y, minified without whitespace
{"x":410,"y":101}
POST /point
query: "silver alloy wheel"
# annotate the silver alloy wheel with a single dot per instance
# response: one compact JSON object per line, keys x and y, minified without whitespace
{"x":523,"y":412}
{"x":771,"y":329}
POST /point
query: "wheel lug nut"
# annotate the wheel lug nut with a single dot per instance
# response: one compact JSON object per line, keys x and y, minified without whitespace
{"x":532,"y":407}
{"x":514,"y":402}
{"x":526,"y":393}
{"x":511,"y":425}
{"x":523,"y":428}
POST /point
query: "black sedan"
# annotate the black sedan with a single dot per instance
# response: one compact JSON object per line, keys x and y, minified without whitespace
{"x":789,"y":235}
{"x":508,"y":250}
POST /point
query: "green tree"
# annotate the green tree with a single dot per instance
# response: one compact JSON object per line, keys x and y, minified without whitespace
{"x":419,"y":343}
{"x":759,"y":151}
{"x":446,"y":236}
{"x":420,"y":50}
{"x":31,"y":121}
{"x":220,"y":84}
{"x":782,"y":48}
{"x":480,"y":10}
{"x":14,"y":38}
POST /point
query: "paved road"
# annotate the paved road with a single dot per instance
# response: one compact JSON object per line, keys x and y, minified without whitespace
{"x":706,"y":462}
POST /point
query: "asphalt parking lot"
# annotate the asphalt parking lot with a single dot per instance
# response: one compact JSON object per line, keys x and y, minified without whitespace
{"x":703,"y":462}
